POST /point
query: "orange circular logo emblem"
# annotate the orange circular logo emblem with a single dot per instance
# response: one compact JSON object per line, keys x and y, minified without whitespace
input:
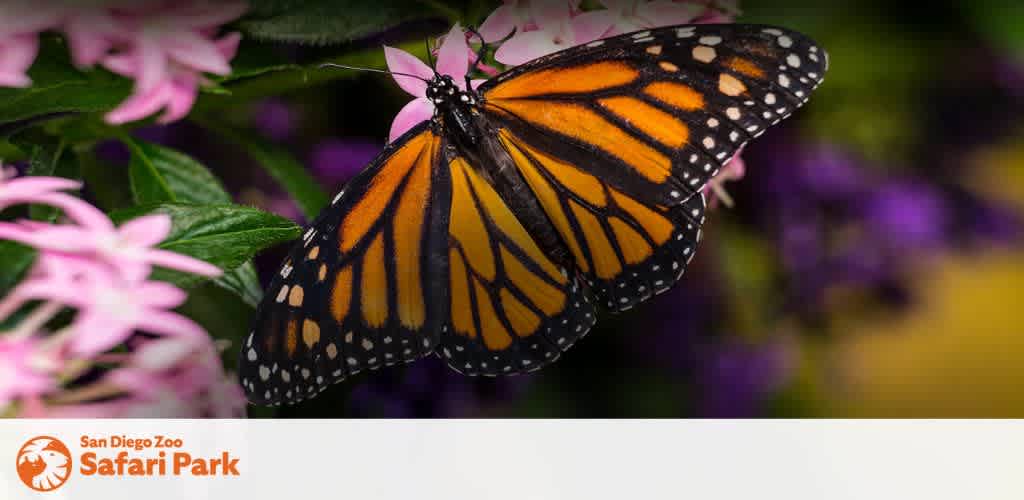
{"x":44,"y":463}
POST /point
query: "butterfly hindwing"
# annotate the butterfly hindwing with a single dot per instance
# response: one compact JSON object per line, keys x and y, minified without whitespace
{"x":365,"y":286}
{"x":659,"y":112}
{"x":626,"y":250}
{"x":512,"y":310}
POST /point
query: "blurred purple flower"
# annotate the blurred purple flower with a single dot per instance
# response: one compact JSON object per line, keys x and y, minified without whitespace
{"x":829,"y":173}
{"x":335,"y":161}
{"x":735,"y":379}
{"x":907,"y":216}
{"x":275,"y":119}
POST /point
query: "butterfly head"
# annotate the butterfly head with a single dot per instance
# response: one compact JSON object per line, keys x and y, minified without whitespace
{"x":445,"y":94}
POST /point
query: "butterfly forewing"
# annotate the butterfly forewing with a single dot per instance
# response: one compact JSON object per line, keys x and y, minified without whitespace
{"x":616,"y":138}
{"x":365,"y":286}
{"x":659,"y":112}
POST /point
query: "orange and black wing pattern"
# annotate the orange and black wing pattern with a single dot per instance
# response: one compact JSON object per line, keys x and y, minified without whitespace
{"x":627,"y":250}
{"x":362,"y":289}
{"x":657,"y":113}
{"x":617,"y":138}
{"x":512,"y":309}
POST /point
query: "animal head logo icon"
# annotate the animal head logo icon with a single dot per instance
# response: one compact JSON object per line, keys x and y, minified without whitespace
{"x":44,"y":463}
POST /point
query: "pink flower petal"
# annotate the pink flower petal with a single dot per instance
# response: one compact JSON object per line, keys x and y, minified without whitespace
{"x":415,"y":112}
{"x":152,"y":64}
{"x":77,"y":210}
{"x":159,"y":294}
{"x":167,"y":323}
{"x":163,"y":353}
{"x":401,"y":61}
{"x":499,"y":24}
{"x":668,"y":13}
{"x":96,"y":333}
{"x":90,"y":35}
{"x":227,"y":45}
{"x":524,"y":47}
{"x":122,"y":64}
{"x":16,"y":56}
{"x":198,"y":53}
{"x":551,"y":16}
{"x":140,"y":105}
{"x":453,"y":56}
{"x":35,"y":185}
{"x":182,"y":97}
{"x":590,"y":26}
{"x":145,"y":231}
{"x":171,"y":260}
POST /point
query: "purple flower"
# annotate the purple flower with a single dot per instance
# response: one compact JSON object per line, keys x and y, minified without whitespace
{"x":275,"y":119}
{"x":907,"y":215}
{"x":338,"y":160}
{"x":735,"y":379}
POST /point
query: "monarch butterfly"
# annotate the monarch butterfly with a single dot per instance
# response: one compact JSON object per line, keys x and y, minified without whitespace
{"x":488,"y":234}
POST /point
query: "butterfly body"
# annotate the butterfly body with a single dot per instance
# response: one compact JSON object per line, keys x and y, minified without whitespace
{"x":489,"y":234}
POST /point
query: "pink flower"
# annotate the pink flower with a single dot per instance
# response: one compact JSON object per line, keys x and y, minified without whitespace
{"x":128,"y":249}
{"x":88,"y":30}
{"x":25,"y":370}
{"x":111,"y":309}
{"x":452,"y":60}
{"x":557,"y":29}
{"x":635,"y":15}
{"x":167,"y":49}
{"x":180,"y":369}
{"x":46,"y":191}
{"x":734,"y":171}
{"x":16,"y":56}
{"x":516,"y":15}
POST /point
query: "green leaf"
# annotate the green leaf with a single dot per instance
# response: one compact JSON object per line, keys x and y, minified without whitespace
{"x":226,"y":236}
{"x":280,"y":164}
{"x":57,"y":87}
{"x":148,"y":183}
{"x":108,"y":184}
{"x":244,"y":282}
{"x":16,"y":259}
{"x":324,"y":22}
{"x":161,"y":174}
{"x":50,"y":160}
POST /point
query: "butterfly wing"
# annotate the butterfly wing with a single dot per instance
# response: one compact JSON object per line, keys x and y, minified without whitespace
{"x":617,"y":136}
{"x":364,"y":288}
{"x":512,"y":309}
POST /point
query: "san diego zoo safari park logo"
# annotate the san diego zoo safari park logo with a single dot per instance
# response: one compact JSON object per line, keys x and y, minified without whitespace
{"x":44,"y":463}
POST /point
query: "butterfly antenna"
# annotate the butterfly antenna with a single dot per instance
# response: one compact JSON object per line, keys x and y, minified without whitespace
{"x":483,"y":46}
{"x":373,"y":70}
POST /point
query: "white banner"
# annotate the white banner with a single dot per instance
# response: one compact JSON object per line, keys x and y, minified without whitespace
{"x":507,"y":459}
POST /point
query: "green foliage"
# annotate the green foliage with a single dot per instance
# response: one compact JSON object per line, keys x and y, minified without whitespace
{"x":160,"y":174}
{"x":226,"y":236}
{"x":16,"y":258}
{"x":280,"y":164}
{"x":322,"y":22}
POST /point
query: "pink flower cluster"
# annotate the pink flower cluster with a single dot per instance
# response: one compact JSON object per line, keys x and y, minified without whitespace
{"x":539,"y":28}
{"x":138,"y":357}
{"x":165,"y":46}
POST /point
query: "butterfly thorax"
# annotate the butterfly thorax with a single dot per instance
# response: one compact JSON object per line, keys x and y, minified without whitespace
{"x":454,"y":107}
